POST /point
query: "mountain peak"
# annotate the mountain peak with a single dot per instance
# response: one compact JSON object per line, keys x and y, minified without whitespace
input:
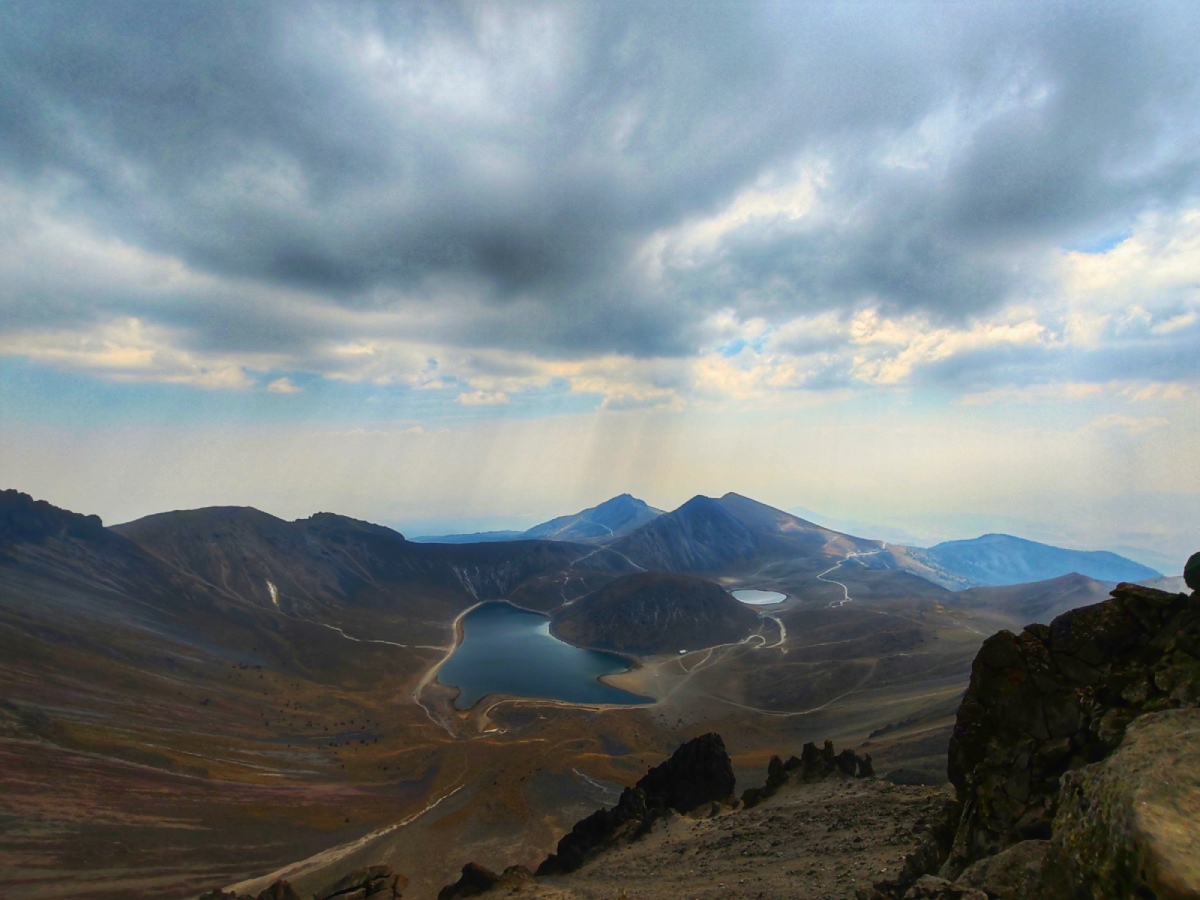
{"x":25,"y":520}
{"x":327,"y":522}
{"x":1001,"y":559}
{"x":606,"y":521}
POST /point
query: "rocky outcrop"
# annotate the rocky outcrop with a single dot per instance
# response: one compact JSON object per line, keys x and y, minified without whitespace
{"x":1056,"y":698}
{"x":811,"y":765}
{"x":280,"y":890}
{"x":1127,"y":826}
{"x":1191,"y":572}
{"x":25,"y":520}
{"x":371,"y":883}
{"x":478,"y":880}
{"x":698,"y":772}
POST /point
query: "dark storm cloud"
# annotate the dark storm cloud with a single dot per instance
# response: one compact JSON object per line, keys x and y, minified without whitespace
{"x":522,"y":153}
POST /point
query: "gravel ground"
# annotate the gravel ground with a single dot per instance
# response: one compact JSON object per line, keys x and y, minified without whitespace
{"x":818,"y":840}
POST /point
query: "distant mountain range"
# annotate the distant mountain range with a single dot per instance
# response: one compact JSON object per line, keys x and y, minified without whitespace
{"x":707,"y":535}
{"x":283,"y":672}
{"x":596,"y":524}
{"x":1001,"y":559}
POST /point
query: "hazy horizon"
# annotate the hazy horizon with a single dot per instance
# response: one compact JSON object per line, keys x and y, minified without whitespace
{"x":931,"y":269}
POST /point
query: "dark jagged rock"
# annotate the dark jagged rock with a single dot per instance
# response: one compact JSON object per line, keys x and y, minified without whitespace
{"x":777,"y":776}
{"x":698,"y":772}
{"x":280,"y":890}
{"x":478,"y":880}
{"x":1191,"y":572}
{"x":25,"y":520}
{"x":813,"y":765}
{"x":1055,"y":698}
{"x":373,"y":882}
{"x":817,"y":764}
{"x":475,"y":880}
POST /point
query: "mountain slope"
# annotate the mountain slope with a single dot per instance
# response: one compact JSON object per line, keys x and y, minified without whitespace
{"x":648,"y":612}
{"x":329,"y":561}
{"x":700,"y":536}
{"x":1040,"y":601}
{"x":596,"y":524}
{"x":474,"y":537}
{"x":718,"y":535}
{"x":611,"y":519}
{"x":1001,"y":559}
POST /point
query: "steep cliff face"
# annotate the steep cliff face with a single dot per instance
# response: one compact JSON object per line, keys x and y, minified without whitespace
{"x":1055,"y":698}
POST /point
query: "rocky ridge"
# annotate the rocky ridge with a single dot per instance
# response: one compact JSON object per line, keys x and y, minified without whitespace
{"x":1058,"y":697}
{"x":698,"y":780}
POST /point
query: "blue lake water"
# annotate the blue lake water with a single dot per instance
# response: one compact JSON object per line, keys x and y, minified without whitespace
{"x":506,"y":650}
{"x":759,"y":598}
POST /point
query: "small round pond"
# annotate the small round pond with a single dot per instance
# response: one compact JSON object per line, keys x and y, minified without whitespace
{"x":759,"y":598}
{"x":506,"y":650}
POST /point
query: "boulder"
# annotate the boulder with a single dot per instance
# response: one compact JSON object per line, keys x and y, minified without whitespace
{"x":1056,"y":698}
{"x":1191,"y":572}
{"x":1011,"y":874}
{"x":1128,"y":826}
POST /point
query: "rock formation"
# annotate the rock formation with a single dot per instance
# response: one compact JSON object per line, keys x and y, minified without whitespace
{"x":1126,"y":827}
{"x":812,"y":765}
{"x":698,"y":772}
{"x":371,"y":883}
{"x":1058,"y":697}
{"x":478,"y":880}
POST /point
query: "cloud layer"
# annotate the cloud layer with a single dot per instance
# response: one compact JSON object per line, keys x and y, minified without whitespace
{"x":661,"y":205}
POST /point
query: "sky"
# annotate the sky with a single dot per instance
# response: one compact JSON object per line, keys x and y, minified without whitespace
{"x":932,"y":269}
